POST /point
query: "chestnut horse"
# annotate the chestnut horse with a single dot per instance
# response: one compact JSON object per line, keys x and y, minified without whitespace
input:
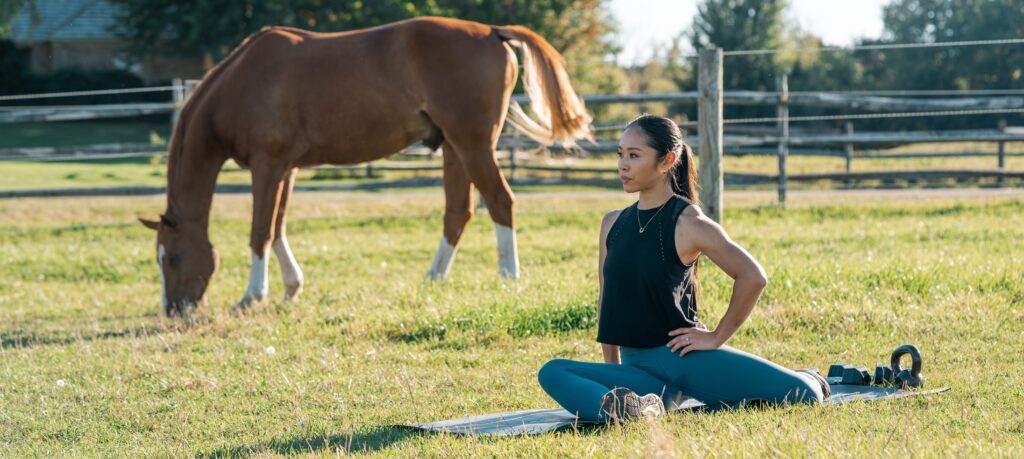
{"x":288,"y":98}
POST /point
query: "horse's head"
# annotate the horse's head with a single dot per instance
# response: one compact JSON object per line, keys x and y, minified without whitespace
{"x":187,"y":261}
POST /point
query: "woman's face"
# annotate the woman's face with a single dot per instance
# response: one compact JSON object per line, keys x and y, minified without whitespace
{"x":639,"y":168}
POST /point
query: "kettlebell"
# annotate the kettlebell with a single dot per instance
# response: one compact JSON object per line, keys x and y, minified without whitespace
{"x":907,"y":378}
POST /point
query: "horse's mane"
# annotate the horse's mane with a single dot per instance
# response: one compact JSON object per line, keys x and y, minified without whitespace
{"x":178,"y":136}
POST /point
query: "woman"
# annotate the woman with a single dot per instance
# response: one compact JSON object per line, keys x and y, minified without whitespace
{"x":652,"y":339}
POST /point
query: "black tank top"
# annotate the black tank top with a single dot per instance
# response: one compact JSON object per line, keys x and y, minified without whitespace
{"x":648,"y":291}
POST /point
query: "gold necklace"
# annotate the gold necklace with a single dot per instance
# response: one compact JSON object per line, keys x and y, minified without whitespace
{"x":644,"y":226}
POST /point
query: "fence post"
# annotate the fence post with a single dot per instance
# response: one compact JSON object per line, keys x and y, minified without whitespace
{"x":178,"y":96}
{"x":848,"y":147}
{"x":709,"y":115}
{"x":782,"y":111}
{"x":1002,"y":153}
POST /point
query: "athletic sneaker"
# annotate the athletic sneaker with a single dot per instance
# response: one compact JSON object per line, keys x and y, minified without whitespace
{"x":621,"y":404}
{"x":825,"y":390}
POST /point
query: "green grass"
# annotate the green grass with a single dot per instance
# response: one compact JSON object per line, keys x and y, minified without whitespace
{"x":371,"y":344}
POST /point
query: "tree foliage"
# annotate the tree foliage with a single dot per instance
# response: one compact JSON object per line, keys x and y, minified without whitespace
{"x":215,"y":27}
{"x":743,"y":24}
{"x":580,"y":29}
{"x":9,"y":9}
{"x":759,"y":24}
{"x":968,"y":67}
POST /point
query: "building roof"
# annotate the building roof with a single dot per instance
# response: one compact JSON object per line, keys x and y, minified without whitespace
{"x":66,"y":20}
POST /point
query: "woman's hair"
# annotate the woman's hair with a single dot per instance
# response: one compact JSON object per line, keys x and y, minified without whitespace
{"x":663,"y":135}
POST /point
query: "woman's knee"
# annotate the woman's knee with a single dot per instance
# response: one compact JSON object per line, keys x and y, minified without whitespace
{"x":551,"y":370}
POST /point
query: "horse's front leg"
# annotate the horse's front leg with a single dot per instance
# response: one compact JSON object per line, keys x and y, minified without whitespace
{"x":268,"y":180}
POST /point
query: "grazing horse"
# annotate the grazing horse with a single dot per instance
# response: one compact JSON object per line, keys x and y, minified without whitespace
{"x":288,"y":98}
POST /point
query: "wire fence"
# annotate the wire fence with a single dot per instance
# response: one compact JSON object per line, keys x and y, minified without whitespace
{"x":878,"y":47}
{"x":873,"y":116}
{"x":98,"y":92}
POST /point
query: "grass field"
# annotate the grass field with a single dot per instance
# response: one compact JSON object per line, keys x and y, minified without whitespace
{"x":90,"y":368}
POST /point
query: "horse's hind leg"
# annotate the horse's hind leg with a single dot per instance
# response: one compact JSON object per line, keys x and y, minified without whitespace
{"x":290,"y":271}
{"x":458,"y":210}
{"x":469,"y":108}
{"x":268,"y":180}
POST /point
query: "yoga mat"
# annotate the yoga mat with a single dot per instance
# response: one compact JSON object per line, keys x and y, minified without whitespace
{"x":534,"y":422}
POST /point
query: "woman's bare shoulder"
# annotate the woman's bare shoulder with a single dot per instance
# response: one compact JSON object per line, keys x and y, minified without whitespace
{"x":693,"y":218}
{"x":607,"y":222}
{"x":609,"y":218}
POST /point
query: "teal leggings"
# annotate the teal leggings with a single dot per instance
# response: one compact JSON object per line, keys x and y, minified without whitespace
{"x":725,"y":377}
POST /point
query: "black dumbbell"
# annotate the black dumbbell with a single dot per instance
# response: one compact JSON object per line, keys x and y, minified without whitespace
{"x":844,"y":373}
{"x":835,"y":373}
{"x":884,"y":375}
{"x":907,"y":378}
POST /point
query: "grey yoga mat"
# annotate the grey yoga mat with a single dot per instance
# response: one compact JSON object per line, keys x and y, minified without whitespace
{"x":533,"y":422}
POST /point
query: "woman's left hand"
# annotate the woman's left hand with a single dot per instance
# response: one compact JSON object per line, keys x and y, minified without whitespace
{"x":693,"y":339}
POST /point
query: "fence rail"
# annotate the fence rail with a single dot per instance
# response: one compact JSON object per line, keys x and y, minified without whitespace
{"x":83,"y":112}
{"x":803,"y":99}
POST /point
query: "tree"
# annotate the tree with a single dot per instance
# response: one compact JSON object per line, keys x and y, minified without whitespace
{"x":9,"y":9}
{"x":971,"y":67}
{"x":580,"y":29}
{"x":743,"y":25}
{"x":14,"y":62}
{"x":964,"y":67}
{"x":212,"y":28}
{"x":814,"y":70}
{"x":13,"y":67}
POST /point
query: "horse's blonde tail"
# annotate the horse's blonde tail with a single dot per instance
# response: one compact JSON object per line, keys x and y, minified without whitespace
{"x":560,"y":113}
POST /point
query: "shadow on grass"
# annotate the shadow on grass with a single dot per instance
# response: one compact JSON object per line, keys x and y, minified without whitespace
{"x":23,"y":339}
{"x":378,"y":438}
{"x":374,"y":439}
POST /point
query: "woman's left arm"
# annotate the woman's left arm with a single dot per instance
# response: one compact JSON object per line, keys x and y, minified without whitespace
{"x":700,"y":234}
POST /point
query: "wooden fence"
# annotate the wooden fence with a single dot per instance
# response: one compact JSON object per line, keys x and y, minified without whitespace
{"x":738,"y":137}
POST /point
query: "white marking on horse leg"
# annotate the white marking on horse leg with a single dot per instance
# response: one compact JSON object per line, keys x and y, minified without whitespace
{"x":508,"y":254}
{"x":442,"y":260}
{"x":290,"y":271}
{"x":257,"y":290}
{"x":160,"y":252}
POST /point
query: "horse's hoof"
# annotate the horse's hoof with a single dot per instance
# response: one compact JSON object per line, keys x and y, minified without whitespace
{"x":292,"y":292}
{"x":248,"y":301}
{"x":185,"y":313}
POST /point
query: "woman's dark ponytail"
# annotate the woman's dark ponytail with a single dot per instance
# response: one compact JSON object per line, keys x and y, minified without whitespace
{"x":684,"y":175}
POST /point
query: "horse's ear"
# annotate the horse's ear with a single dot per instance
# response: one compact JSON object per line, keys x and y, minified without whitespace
{"x":167,"y":221}
{"x":149,"y":224}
